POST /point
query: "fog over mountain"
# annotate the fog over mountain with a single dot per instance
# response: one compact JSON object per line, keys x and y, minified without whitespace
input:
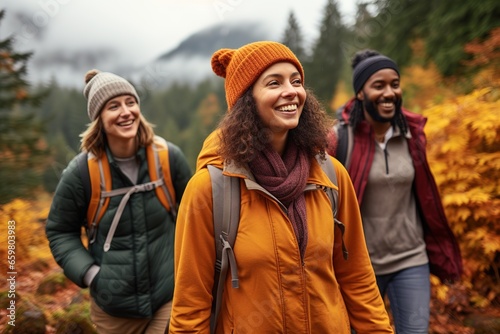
{"x":190,"y":61}
{"x":151,"y":40}
{"x":65,"y":47}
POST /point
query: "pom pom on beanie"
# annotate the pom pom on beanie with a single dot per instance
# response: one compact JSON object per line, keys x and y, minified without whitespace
{"x":242,"y":67}
{"x":103,"y":86}
{"x":220,"y":61}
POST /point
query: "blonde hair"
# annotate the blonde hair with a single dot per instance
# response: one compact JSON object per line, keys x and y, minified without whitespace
{"x":94,"y":137}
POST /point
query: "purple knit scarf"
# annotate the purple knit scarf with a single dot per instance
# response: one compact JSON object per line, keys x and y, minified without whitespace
{"x":286,"y":177}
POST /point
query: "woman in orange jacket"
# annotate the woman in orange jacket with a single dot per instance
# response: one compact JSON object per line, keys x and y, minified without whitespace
{"x":293,"y":277}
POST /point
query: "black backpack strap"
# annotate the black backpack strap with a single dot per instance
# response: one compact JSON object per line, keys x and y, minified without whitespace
{"x":83,"y":167}
{"x":173,"y":175}
{"x":342,"y":142}
{"x":226,"y":217}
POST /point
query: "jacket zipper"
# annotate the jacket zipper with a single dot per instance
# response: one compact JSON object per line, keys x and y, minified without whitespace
{"x":386,"y":161}
{"x":252,"y":185}
{"x":309,"y":187}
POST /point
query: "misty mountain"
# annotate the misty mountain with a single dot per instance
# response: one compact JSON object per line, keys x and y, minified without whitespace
{"x":190,"y":61}
{"x":206,"y":42}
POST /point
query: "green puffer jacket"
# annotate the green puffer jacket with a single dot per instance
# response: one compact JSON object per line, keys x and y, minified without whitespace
{"x":136,"y":275}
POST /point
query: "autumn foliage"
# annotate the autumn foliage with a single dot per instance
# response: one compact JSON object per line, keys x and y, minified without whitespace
{"x":28,"y":218}
{"x":40,"y":284}
{"x":464,"y":152}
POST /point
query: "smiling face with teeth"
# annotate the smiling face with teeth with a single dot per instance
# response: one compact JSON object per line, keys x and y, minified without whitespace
{"x":279,"y":95}
{"x":120,"y":119}
{"x":381,"y":96}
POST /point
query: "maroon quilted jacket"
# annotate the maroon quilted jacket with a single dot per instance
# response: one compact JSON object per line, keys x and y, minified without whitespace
{"x":442,"y":248}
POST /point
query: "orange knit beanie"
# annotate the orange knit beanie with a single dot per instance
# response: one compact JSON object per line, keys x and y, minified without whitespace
{"x":241,"y":67}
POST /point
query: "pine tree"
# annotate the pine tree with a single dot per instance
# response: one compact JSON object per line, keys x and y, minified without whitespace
{"x":361,"y":33}
{"x":394,"y":26}
{"x":325,"y":68}
{"x":445,"y":26}
{"x":21,"y":151}
{"x":451,"y":24}
{"x":293,"y":38}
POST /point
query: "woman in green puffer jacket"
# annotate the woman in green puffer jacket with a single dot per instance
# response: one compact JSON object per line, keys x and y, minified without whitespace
{"x":128,"y":264}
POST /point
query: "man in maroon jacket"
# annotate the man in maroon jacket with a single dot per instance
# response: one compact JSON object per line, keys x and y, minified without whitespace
{"x":382,"y":146}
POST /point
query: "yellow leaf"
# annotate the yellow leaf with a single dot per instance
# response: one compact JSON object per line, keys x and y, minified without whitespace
{"x":479,"y":301}
{"x":456,"y":199}
{"x":463,"y":213}
{"x":442,"y":292}
{"x":491,"y":246}
{"x":480,"y":213}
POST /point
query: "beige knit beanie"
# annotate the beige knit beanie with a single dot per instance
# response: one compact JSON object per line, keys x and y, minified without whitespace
{"x":101,"y":87}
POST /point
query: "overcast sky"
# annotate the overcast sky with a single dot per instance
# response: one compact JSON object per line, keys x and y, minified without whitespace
{"x":136,"y":31}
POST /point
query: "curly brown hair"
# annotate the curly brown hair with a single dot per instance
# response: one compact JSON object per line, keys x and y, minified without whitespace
{"x":243,"y":133}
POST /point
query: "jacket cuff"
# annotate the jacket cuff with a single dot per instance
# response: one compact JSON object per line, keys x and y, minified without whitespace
{"x":90,"y":274}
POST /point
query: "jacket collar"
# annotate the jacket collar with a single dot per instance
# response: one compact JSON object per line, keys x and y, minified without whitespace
{"x":316,"y":174}
{"x":140,"y":154}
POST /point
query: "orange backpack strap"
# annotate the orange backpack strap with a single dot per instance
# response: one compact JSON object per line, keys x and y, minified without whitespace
{"x":100,"y":180}
{"x":157,"y":156}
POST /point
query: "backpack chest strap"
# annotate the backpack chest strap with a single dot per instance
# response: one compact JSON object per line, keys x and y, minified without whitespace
{"x":128,"y":191}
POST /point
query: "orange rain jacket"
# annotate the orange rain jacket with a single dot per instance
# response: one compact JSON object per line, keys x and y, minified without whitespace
{"x":279,"y":292}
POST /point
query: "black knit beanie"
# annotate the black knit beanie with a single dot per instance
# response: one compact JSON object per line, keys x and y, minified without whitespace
{"x":367,"y":67}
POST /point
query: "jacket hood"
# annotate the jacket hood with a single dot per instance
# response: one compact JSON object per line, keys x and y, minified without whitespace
{"x":208,"y":154}
{"x":345,"y":111}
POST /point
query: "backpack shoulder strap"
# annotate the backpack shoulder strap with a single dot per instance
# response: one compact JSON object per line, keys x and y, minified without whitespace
{"x":96,"y":177}
{"x":226,"y":217}
{"x":329,"y":169}
{"x":100,"y":180}
{"x":342,"y":142}
{"x":83,"y":168}
{"x":158,"y":156}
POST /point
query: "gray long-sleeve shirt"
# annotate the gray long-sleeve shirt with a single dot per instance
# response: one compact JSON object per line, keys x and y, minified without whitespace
{"x":391,"y":222}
